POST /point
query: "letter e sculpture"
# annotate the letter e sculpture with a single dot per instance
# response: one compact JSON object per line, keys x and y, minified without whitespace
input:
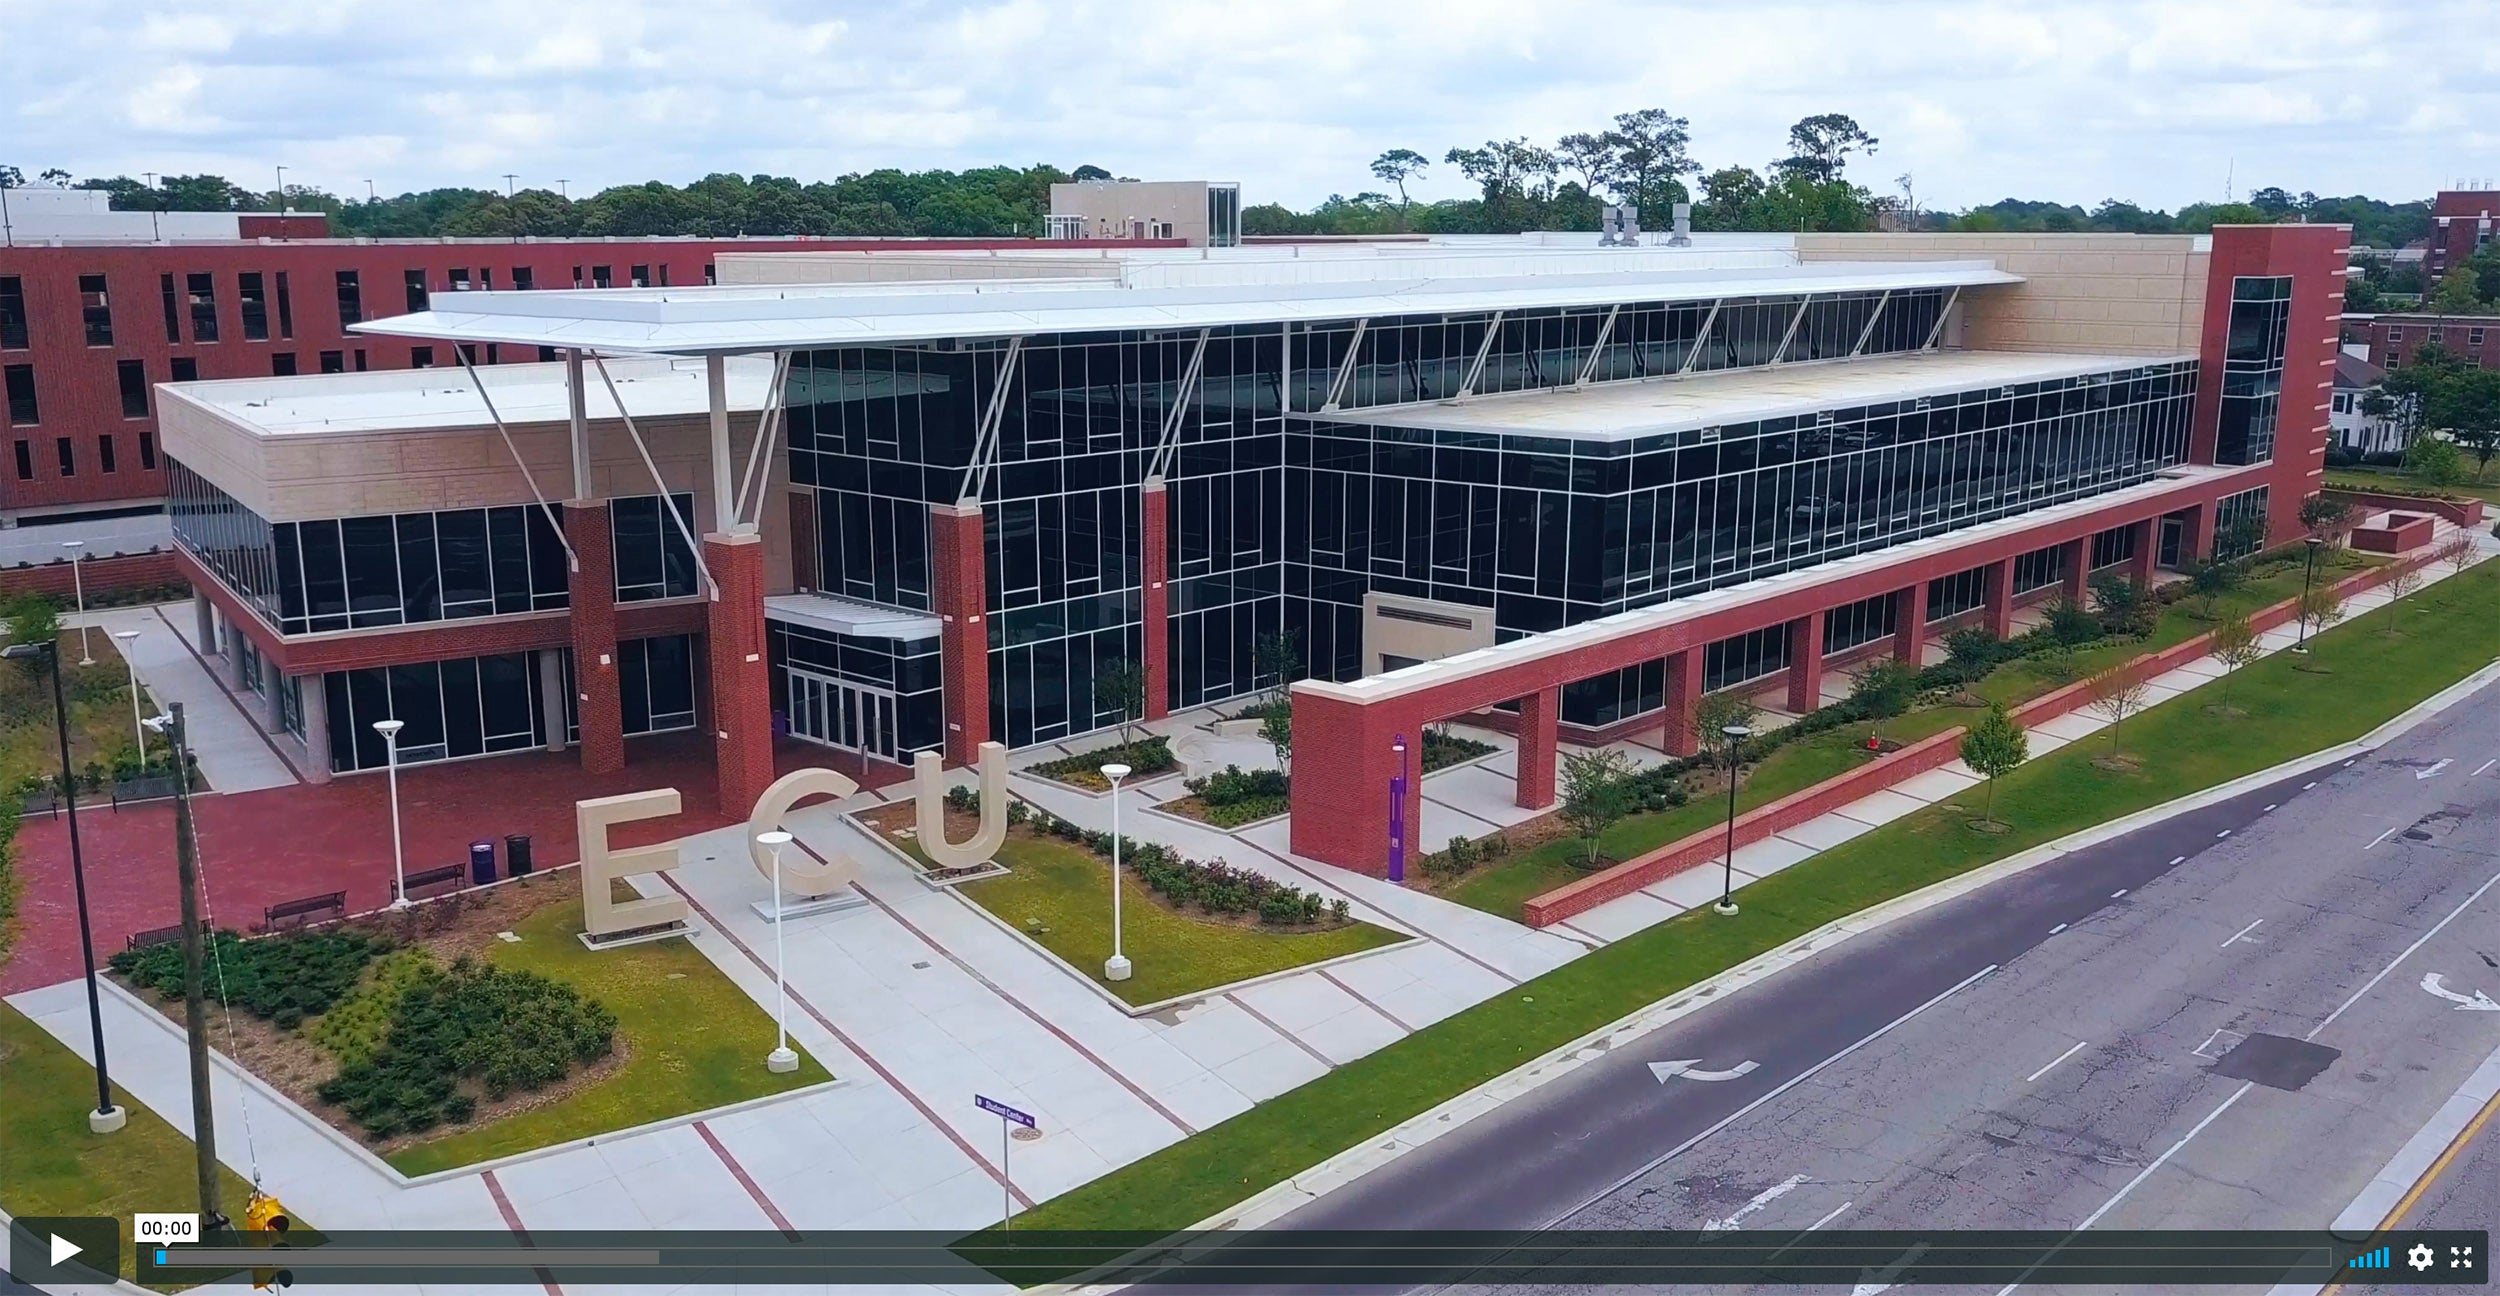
{"x":603,"y":917}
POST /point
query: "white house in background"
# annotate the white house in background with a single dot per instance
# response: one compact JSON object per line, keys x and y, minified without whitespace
{"x":2355,"y":379}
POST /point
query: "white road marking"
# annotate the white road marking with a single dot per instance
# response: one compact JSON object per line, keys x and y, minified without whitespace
{"x":1685,"y":1067}
{"x":2122,"y":890}
{"x":2054,"y":1061}
{"x":1760,"y":1200}
{"x":2306,"y":786}
{"x":2484,"y":766}
{"x":1836,"y":1210}
{"x":2479,"y":1002}
{"x":1783,"y":1087}
{"x":2433,"y":772}
{"x":2058,"y":928}
{"x":2176,"y":862}
{"x":2242,"y":1091}
{"x":2267,"y":810}
{"x":2235,"y":936}
{"x":2220,"y":835}
{"x":2382,"y":837}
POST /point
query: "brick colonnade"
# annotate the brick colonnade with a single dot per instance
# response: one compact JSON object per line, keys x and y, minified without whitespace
{"x":593,"y":597}
{"x":961,"y":565}
{"x":1539,"y":715}
{"x":1909,"y":624}
{"x":1805,"y":662}
{"x":1154,"y":632}
{"x":742,"y":698}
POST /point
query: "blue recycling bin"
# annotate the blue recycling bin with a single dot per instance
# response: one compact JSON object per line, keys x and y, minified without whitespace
{"x":481,"y":862}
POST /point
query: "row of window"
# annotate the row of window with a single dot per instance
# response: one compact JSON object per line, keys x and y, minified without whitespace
{"x":65,"y":456}
{"x":477,"y":706}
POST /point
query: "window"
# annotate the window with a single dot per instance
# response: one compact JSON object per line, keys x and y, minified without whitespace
{"x":68,"y":455}
{"x":655,"y":683}
{"x":523,"y":278}
{"x":286,"y":307}
{"x":664,"y":274}
{"x":2395,"y":333}
{"x":361,"y":366}
{"x":351,"y":299}
{"x":202,"y":288}
{"x":186,"y":369}
{"x":147,"y":451}
{"x":104,"y":452}
{"x":415,"y":282}
{"x":12,"y":313}
{"x":1955,"y":594}
{"x":95,"y":307}
{"x":334,"y":362}
{"x":248,"y":289}
{"x":486,"y":278}
{"x":468,"y":706}
{"x":1751,"y":656}
{"x":173,"y":308}
{"x":650,"y":553}
{"x":711,"y":273}
{"x":577,"y":276}
{"x":466,"y":352}
{"x":23,"y":411}
{"x":2113,"y":546}
{"x":2252,"y":368}
{"x":2039,"y":568}
{"x":599,"y":276}
{"x":282,"y":363}
{"x":421,"y":357}
{"x":25,"y":461}
{"x":494,"y":353}
{"x":2473,"y":339}
{"x":134,"y":380}
{"x":460,"y":279}
{"x":547,"y":354}
{"x":642,"y":276}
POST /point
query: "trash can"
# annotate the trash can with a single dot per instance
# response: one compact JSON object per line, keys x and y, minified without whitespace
{"x":516,"y":854}
{"x":481,"y":862}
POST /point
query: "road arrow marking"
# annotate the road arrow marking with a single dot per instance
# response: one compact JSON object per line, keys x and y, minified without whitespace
{"x":2433,"y":771}
{"x":1690,"y":1069}
{"x":2480,"y":1002}
{"x":1760,"y":1200}
{"x":1871,"y":1281}
{"x":63,"y":1249}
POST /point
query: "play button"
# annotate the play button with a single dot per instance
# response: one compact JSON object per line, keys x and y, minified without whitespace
{"x":59,"y":1249}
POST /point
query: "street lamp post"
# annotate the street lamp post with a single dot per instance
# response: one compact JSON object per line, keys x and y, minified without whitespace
{"x":389,"y":729}
{"x":106,"y":1117}
{"x":2308,"y":570}
{"x":1397,"y":815}
{"x":1726,"y":907}
{"x":78,"y":581}
{"x":1115,"y":968}
{"x":783,"y":1058}
{"x":138,"y":726}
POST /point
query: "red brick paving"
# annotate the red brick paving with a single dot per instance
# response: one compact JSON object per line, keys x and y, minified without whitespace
{"x":258,"y":848}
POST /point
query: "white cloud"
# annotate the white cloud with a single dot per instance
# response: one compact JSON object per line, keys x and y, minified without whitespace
{"x":2150,"y":100}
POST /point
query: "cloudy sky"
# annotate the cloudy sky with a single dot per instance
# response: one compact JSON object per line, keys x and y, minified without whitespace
{"x":2159,"y":103}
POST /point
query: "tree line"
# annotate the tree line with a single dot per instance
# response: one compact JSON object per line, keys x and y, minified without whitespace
{"x":1643,"y":158}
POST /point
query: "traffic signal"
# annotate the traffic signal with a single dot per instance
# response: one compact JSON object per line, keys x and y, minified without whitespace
{"x":267,"y":1220}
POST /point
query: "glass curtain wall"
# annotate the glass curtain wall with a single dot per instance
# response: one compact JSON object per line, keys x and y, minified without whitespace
{"x":2252,"y":368}
{"x":468,"y":706}
{"x":908,"y":669}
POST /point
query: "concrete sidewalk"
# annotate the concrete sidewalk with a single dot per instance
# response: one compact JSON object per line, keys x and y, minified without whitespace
{"x":234,"y":754}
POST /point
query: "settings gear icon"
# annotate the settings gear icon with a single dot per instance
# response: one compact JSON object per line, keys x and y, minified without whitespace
{"x":2419,"y":1256}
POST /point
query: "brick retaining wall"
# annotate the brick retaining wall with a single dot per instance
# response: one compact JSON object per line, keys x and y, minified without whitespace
{"x":113,"y":575}
{"x":2465,"y":511}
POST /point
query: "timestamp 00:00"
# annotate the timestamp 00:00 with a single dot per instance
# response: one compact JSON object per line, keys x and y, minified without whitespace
{"x":160,"y":1229}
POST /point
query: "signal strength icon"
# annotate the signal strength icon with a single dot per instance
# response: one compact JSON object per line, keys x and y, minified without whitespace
{"x":2376,"y":1258}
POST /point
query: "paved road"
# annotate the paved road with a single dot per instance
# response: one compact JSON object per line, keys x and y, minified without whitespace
{"x":2217,"y":1021}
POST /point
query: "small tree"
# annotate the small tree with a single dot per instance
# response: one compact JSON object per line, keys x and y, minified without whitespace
{"x":2209,"y":581}
{"x":2234,"y":643}
{"x":2327,"y":518}
{"x":1120,"y":689}
{"x":2070,"y":627}
{"x":2118,"y":693}
{"x":2459,"y":552}
{"x":1716,"y":712}
{"x":1882,"y":691}
{"x":2320,"y":606}
{"x":33,"y":620}
{"x":1971,"y":651}
{"x":1277,"y":728}
{"x":2121,"y":603}
{"x":1995,"y":747}
{"x":2434,"y":462}
{"x":2402,"y":581}
{"x":1277,"y":658}
{"x":1596,"y":792}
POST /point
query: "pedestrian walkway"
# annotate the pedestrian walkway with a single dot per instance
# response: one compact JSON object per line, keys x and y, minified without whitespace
{"x":235,"y":755}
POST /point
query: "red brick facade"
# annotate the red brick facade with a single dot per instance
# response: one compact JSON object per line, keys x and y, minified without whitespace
{"x":1539,"y":713}
{"x":1805,"y":662}
{"x":2315,"y":257}
{"x":959,"y":560}
{"x":742,"y":695}
{"x":593,"y":597}
{"x":1154,"y":510}
{"x":2397,"y":340}
{"x":2462,"y":221}
{"x":101,"y":575}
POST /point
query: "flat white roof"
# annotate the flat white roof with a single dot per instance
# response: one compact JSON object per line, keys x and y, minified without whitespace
{"x":418,"y":399}
{"x":1643,"y":407}
{"x":1571,"y":638}
{"x":844,"y":616}
{"x":1174,"y":289}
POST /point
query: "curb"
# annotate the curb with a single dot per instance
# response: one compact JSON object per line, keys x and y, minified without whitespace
{"x":2371,"y":1207}
{"x":1279,"y":1199}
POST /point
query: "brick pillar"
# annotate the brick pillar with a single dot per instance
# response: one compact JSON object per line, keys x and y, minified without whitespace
{"x":1999,"y":598}
{"x":1683,"y":702}
{"x":1343,"y":765}
{"x":1805,"y":662}
{"x":2078,"y":568}
{"x":1155,"y":635}
{"x":2196,"y":541}
{"x":962,"y":601}
{"x":1540,"y":714}
{"x":2147,"y":535}
{"x":742,"y":695}
{"x":1909,"y":624}
{"x":593,"y":599}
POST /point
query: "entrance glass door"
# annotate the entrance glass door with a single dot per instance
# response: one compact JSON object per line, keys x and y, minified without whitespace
{"x":841,"y":714}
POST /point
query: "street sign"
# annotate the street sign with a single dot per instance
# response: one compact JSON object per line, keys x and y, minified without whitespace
{"x":1002,"y":1110}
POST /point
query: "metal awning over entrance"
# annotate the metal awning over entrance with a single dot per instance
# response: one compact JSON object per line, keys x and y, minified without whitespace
{"x":845,"y":617}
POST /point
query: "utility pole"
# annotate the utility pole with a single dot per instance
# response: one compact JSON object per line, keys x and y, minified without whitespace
{"x":194,"y":975}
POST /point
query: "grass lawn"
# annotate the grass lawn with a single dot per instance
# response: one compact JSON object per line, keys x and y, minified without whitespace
{"x":1503,"y":888}
{"x":695,"y":1041}
{"x":1174,"y":953}
{"x":99,"y":726}
{"x":2364,"y":479}
{"x":51,"y":1165}
{"x":2183,"y":749}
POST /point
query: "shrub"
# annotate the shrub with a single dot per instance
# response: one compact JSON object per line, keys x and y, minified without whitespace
{"x":1443,"y":748}
{"x":1233,"y":785}
{"x":1144,"y":757}
{"x":504,"y":1031}
{"x":302,"y":973}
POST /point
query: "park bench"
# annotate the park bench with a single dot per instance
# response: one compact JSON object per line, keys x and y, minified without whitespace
{"x":304,"y":909}
{"x":436,"y":881}
{"x":153,"y":937}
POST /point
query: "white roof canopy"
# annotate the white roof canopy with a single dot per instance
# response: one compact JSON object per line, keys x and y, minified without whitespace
{"x":842,"y":616}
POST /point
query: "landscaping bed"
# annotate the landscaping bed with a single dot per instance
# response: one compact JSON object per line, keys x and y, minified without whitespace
{"x":1233,"y":796}
{"x":1189,"y":926}
{"x":1145,"y":758}
{"x":438,"y":1042}
{"x":2183,"y":749}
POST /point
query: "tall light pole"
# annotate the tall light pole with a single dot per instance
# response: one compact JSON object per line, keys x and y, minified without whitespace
{"x":1115,"y":968}
{"x":782,"y":1059}
{"x":389,"y":729}
{"x":194,"y":970}
{"x":1726,"y":907}
{"x":106,"y":1117}
{"x":78,"y":579}
{"x":138,"y":727}
{"x":2308,"y":570}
